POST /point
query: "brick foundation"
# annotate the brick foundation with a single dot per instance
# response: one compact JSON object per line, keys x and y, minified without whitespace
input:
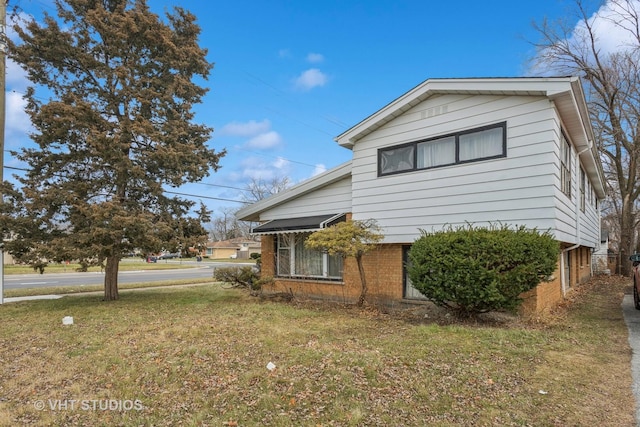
{"x":384,"y":274}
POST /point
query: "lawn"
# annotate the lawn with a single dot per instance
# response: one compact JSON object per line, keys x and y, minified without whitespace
{"x":198,"y":356}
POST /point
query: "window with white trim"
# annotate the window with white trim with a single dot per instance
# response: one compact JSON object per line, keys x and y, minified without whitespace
{"x":582,"y":189}
{"x":565,"y":166}
{"x":487,"y":142}
{"x":294,"y":259}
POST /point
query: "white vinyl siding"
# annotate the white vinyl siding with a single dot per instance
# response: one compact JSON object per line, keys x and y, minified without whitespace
{"x":333,"y":198}
{"x":518,"y":189}
{"x":525,"y":186}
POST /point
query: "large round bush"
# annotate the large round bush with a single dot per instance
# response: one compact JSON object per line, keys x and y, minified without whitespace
{"x":478,"y":269}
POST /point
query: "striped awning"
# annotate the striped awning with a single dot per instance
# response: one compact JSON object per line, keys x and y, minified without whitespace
{"x":299,"y":224}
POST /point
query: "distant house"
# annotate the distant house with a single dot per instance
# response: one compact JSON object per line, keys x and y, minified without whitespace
{"x":234,"y":248}
{"x":516,"y":151}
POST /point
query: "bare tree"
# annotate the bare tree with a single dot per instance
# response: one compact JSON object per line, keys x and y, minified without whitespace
{"x":226,"y":226}
{"x":259,"y":189}
{"x":611,"y":74}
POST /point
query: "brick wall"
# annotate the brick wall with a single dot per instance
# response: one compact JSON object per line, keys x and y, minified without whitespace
{"x":583,"y":264}
{"x":384,"y":274}
{"x":267,"y":257}
{"x":549,"y":294}
{"x":543,"y":297}
{"x":383,"y":271}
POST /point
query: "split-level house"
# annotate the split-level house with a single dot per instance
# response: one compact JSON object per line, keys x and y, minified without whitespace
{"x":450,"y":152}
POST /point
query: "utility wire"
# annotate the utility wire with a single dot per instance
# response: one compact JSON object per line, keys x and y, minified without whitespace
{"x":171,"y":192}
{"x":206,"y":197}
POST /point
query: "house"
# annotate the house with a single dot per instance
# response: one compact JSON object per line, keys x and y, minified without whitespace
{"x":449,"y":152}
{"x":234,"y":248}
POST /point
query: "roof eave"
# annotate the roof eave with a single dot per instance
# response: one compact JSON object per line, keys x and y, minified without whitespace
{"x":573,"y":109}
{"x":508,"y":85}
{"x":253,"y":211}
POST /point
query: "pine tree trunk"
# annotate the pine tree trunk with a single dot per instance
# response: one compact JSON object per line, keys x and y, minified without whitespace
{"x":111,"y":279}
{"x":363,"y":281}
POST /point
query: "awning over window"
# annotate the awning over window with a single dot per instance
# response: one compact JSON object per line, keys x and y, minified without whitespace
{"x":292,"y":225}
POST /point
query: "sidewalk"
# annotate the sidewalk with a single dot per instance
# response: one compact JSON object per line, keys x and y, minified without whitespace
{"x":632,"y":318}
{"x":16,"y":299}
{"x":44,"y":297}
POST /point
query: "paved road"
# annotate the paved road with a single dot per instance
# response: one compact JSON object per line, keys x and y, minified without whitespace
{"x":25,"y":281}
{"x":632,"y":318}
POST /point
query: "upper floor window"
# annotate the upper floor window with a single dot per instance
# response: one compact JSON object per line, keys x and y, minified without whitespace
{"x":484,"y":143}
{"x":398,"y":159}
{"x":565,"y":166}
{"x":583,"y":183}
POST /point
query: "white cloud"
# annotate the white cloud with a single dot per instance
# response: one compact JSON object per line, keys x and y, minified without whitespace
{"x":258,"y":168}
{"x":255,"y":168}
{"x":250,"y":128}
{"x":281,"y":163}
{"x":612,"y":34}
{"x":16,"y":77}
{"x":320,"y":168}
{"x":265,"y":141}
{"x":611,"y":37}
{"x":17,"y":121}
{"x":315,"y":58}
{"x":310,"y":79}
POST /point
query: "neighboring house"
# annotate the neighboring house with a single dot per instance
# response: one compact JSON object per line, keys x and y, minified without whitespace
{"x":8,"y":259}
{"x":234,"y":248}
{"x":449,"y":152}
{"x":600,"y":257}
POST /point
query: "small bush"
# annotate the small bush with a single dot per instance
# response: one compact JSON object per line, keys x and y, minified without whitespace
{"x":475,"y":270}
{"x":258,"y":257}
{"x":238,"y":277}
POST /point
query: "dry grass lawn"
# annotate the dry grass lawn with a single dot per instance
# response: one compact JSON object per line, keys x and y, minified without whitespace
{"x":198,"y":357}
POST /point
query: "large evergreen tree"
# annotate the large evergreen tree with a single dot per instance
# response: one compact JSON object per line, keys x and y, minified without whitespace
{"x":112,"y":107}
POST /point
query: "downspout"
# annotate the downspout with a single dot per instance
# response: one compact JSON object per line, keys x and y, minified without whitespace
{"x":565,"y":251}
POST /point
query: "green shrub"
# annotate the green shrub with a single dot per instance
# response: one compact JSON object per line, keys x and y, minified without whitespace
{"x":238,"y":277}
{"x":258,"y":257}
{"x":475,"y":270}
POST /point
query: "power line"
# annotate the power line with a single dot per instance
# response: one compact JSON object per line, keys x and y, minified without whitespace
{"x":284,"y":95}
{"x":206,"y":197}
{"x":278,"y":157}
{"x":220,"y":185}
{"x":173,"y":192}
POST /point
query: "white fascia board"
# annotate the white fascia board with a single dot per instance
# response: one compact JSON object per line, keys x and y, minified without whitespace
{"x":253,"y":211}
{"x":532,"y":86}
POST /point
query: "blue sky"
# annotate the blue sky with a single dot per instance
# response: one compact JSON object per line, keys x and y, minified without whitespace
{"x":290,"y":76}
